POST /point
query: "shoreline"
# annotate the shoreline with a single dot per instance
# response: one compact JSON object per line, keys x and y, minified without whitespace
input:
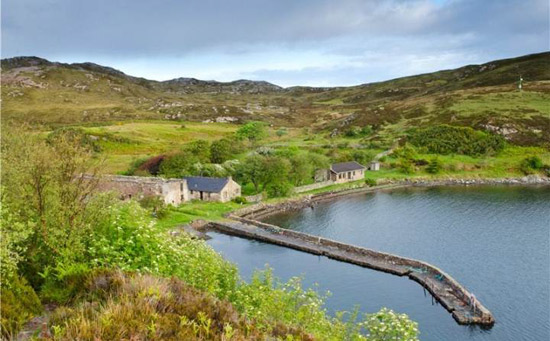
{"x":262,"y":210}
{"x":246,"y":222}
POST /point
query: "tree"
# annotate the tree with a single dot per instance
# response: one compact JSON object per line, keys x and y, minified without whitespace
{"x":253,"y":131}
{"x":220,"y":151}
{"x":200,"y":149}
{"x":47,"y":189}
{"x":178,"y":165}
{"x":250,"y":170}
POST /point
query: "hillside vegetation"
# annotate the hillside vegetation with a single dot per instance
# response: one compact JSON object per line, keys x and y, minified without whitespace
{"x":480,"y":96}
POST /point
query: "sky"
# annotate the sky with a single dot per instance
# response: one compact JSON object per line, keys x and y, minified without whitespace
{"x":285,"y":42}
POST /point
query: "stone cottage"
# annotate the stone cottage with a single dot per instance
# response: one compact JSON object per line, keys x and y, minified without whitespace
{"x":346,"y":172}
{"x":212,"y":189}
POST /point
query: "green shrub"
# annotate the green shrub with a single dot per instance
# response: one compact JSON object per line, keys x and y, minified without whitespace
{"x":240,"y":200}
{"x":370,"y":182}
{"x":115,"y":305}
{"x":406,"y":166}
{"x":279,"y":189}
{"x":445,"y":139}
{"x":387,"y":325}
{"x":531,"y":164}
{"x":135,"y":166}
{"x":19,"y":303}
{"x":156,"y":205}
{"x":434,"y":167}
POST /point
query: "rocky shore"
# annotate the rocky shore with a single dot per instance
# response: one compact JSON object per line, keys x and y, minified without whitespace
{"x":263,"y":210}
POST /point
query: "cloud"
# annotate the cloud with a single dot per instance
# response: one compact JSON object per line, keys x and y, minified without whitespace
{"x":321,"y":35}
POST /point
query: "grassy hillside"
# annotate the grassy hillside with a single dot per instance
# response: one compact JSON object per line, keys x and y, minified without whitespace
{"x":482,"y":96}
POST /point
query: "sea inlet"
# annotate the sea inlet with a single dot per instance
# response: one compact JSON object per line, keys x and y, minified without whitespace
{"x":494,"y":240}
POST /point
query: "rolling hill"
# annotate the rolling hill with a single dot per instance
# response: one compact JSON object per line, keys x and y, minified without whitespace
{"x":485,"y":96}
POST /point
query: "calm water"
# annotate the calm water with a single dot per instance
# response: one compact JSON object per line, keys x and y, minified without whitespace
{"x":493,"y":240}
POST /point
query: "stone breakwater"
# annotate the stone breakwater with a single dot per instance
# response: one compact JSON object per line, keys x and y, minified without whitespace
{"x":448,"y":292}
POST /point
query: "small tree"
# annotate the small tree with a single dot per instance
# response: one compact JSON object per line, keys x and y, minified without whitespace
{"x":252,"y":131}
{"x":200,"y":149}
{"x":434,"y":166}
{"x":220,"y":151}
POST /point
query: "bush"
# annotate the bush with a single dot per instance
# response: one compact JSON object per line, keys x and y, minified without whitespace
{"x":116,"y":305}
{"x":240,"y":200}
{"x":252,"y":131}
{"x":371,"y":182}
{"x":446,"y":139}
{"x":434,"y":167}
{"x":19,"y":303}
{"x":156,"y":205}
{"x":531,"y":164}
{"x":406,"y":166}
{"x":387,"y":325}
{"x":279,"y":189}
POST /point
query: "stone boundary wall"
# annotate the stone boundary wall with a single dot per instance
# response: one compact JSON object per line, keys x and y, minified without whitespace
{"x":316,"y":185}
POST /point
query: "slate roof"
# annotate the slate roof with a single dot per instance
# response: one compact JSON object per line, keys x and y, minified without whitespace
{"x":346,"y":167}
{"x":206,"y":184}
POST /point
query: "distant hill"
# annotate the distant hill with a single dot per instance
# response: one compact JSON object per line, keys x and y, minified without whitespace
{"x":482,"y":96}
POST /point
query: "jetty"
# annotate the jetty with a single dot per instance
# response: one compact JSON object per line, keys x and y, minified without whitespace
{"x":463,"y":306}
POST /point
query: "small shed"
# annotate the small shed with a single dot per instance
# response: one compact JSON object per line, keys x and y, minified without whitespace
{"x":374,"y":166}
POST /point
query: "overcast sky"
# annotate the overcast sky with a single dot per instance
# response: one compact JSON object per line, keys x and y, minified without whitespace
{"x":286,"y":42}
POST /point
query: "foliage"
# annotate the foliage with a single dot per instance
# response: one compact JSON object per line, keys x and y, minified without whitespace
{"x":74,"y":134}
{"x":48,"y":192}
{"x":155,"y":204}
{"x":281,"y":132}
{"x":240,"y":200}
{"x":445,"y":139}
{"x":370,"y":182}
{"x":150,"y":166}
{"x":178,"y":165}
{"x":220,"y":151}
{"x":434,"y":166}
{"x":387,"y":325}
{"x":73,"y":232}
{"x":531,"y":164}
{"x":252,"y":131}
{"x":18,"y":304}
{"x":14,"y":233}
{"x":115,"y":305}
{"x":200,"y":149}
{"x":136,"y":165}
{"x":279,"y":189}
{"x":362,"y":156}
{"x":406,"y":166}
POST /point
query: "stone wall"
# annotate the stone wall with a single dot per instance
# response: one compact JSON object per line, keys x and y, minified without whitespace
{"x":316,"y":185}
{"x":173,"y":191}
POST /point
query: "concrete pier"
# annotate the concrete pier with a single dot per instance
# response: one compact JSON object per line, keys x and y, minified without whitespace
{"x":449,"y":293}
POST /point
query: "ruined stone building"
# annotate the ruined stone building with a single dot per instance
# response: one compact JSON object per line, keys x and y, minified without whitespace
{"x":172,"y":191}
